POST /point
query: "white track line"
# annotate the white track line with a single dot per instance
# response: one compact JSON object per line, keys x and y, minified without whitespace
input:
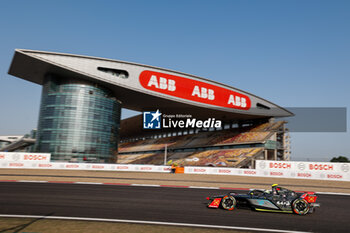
{"x":201,"y":187}
{"x":146,"y":185}
{"x":150,"y":185}
{"x":150,"y":222}
{"x":33,"y":181}
{"x":80,"y":182}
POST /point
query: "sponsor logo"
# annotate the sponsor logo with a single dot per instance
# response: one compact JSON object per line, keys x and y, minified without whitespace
{"x":301,"y":166}
{"x":193,"y":90}
{"x":224,"y":171}
{"x":334,"y":176}
{"x":304,"y":174}
{"x":145,"y":168}
{"x":344,"y":167}
{"x":98,"y":166}
{"x":280,"y":165}
{"x":250,"y":172}
{"x":72,"y":166}
{"x":199,"y":170}
{"x":215,"y":202}
{"x":262,"y":164}
{"x":16,"y":157}
{"x":321,"y":167}
{"x":276,"y":173}
{"x":151,"y":120}
{"x":16,"y":164}
{"x":122,"y":167}
{"x":2,"y":156}
{"x":44,"y":165}
{"x":35,"y":157}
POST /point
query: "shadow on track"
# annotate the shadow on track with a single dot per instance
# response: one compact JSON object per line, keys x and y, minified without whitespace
{"x":21,"y":227}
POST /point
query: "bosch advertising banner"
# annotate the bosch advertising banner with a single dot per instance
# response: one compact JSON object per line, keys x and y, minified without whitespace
{"x":264,"y":168}
{"x":222,"y":171}
{"x":304,"y":170}
{"x":24,"y":157}
{"x":193,"y":90}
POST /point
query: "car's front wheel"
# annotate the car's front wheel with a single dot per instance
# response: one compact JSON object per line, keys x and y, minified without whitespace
{"x":300,"y":206}
{"x":228,"y":202}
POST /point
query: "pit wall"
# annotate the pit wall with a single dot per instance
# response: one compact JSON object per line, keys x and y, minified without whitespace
{"x":264,"y":168}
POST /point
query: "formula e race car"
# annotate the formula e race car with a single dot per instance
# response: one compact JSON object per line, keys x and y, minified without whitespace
{"x":276,"y":200}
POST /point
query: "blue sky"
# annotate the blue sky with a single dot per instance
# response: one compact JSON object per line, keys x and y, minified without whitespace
{"x":293,"y":53}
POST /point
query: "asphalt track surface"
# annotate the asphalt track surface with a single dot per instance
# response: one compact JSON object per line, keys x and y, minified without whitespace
{"x":179,"y":205}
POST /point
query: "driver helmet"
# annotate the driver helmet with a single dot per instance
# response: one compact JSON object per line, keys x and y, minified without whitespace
{"x":275,"y":189}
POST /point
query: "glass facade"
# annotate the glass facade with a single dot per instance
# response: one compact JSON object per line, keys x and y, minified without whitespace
{"x":79,"y":121}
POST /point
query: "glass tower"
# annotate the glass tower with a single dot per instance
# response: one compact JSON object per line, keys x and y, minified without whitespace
{"x":79,"y":121}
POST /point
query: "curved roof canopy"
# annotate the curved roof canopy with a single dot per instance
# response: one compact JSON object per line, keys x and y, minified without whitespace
{"x":141,"y":87}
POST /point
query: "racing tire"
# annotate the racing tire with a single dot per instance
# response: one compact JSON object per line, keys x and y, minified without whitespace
{"x":300,"y":206}
{"x":228,"y":202}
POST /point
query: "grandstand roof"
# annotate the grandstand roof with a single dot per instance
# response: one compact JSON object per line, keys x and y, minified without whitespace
{"x":142,"y":87}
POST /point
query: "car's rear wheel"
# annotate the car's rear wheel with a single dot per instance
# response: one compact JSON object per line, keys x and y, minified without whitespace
{"x":300,"y":206}
{"x":228,"y":202}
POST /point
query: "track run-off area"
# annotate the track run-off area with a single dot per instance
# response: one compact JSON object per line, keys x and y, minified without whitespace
{"x":163,"y":199}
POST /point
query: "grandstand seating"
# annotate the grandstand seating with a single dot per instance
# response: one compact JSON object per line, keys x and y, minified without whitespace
{"x":149,"y":151}
{"x":231,"y":157}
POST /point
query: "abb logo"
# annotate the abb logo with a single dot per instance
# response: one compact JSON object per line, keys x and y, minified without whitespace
{"x":162,"y":83}
{"x":203,"y":93}
{"x":35,"y":157}
{"x":321,"y":167}
{"x":193,"y":90}
{"x":280,"y":165}
{"x":237,"y":101}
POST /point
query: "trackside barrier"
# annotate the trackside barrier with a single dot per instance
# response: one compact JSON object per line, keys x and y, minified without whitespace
{"x":304,"y":170}
{"x":319,"y":175}
{"x":85,"y":166}
{"x":264,"y":168}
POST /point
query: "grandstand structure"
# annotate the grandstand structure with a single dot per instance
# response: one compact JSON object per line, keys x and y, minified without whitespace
{"x":82,"y":99}
{"x":22,"y":143}
{"x":237,"y":146}
{"x":7,"y":140}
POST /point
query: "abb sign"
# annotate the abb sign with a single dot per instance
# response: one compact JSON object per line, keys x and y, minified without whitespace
{"x":193,"y":90}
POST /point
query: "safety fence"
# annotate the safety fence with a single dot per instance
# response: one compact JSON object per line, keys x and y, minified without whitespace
{"x":264,"y":168}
